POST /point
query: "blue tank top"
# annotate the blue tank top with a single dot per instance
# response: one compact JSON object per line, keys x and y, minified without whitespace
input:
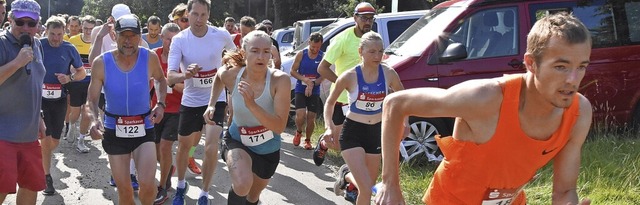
{"x":242,"y":117}
{"x":157,"y":44}
{"x":368,"y":97}
{"x":127,"y":93}
{"x":309,"y":68}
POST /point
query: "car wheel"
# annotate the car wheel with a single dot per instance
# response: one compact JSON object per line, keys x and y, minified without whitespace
{"x":421,"y":142}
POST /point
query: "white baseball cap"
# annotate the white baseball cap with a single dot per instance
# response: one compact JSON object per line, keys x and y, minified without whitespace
{"x":120,"y":10}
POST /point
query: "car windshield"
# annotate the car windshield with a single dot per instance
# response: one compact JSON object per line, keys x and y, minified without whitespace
{"x":322,"y":31}
{"x":414,"y":40}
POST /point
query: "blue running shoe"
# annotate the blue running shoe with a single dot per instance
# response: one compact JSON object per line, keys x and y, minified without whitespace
{"x":134,"y":182}
{"x":203,"y":200}
{"x":351,"y":195}
{"x":178,"y":198}
{"x":112,"y":182}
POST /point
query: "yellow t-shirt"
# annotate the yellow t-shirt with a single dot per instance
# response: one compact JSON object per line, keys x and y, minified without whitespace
{"x":82,"y":47}
{"x":343,"y":53}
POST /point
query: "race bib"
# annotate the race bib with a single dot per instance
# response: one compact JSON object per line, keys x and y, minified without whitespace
{"x":130,"y":127}
{"x":204,"y":79}
{"x":88,"y":71}
{"x":370,"y":101}
{"x":254,"y":136}
{"x":499,"y":196}
{"x":52,"y":91}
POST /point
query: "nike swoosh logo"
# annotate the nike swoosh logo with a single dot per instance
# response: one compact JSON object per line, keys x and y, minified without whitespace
{"x":545,"y":152}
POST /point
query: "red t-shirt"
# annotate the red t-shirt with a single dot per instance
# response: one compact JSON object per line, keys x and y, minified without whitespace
{"x":173,"y":96}
{"x":236,"y":39}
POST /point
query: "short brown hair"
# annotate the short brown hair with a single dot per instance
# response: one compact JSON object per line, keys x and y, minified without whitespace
{"x":248,"y":21}
{"x":315,"y":37}
{"x":563,"y":25}
{"x":205,"y":2}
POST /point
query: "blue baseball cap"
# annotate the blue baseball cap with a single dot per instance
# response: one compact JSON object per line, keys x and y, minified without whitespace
{"x":25,"y":8}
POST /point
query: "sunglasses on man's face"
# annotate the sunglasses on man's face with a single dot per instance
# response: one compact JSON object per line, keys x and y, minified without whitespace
{"x":29,"y":23}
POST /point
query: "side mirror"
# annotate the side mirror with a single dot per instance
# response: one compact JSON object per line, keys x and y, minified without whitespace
{"x":455,"y":51}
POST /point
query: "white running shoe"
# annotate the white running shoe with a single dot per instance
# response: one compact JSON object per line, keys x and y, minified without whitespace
{"x":80,"y":146}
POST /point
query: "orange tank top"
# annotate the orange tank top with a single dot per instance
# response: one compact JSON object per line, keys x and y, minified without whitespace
{"x":495,"y":172}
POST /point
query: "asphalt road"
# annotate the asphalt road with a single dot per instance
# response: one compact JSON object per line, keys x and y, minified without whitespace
{"x":82,"y":179}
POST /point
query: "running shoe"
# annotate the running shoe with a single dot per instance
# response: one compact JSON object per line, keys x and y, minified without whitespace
{"x":134,"y":182}
{"x":296,"y":138}
{"x":178,"y":198}
{"x":49,"y":190}
{"x":112,"y":182}
{"x":161,"y":197}
{"x":319,"y":152}
{"x":80,"y":146}
{"x":204,"y":200}
{"x":351,"y":195}
{"x":341,"y":181}
{"x":72,"y":130}
{"x":193,"y":166}
{"x":307,"y":144}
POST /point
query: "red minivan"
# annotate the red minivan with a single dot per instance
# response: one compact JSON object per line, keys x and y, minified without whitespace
{"x":460,"y":40}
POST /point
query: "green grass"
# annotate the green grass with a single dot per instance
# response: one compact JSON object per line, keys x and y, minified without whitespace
{"x":609,"y":174}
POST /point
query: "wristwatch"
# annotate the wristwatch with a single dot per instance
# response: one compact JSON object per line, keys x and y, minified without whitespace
{"x":161,"y":104}
{"x":71,"y":77}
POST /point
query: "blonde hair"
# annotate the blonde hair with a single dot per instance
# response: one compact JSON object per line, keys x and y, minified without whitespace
{"x":254,"y":34}
{"x":369,"y":37}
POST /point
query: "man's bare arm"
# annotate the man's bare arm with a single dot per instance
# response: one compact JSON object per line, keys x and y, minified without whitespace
{"x":566,"y":165}
{"x":324,"y":69}
{"x":95,"y":87}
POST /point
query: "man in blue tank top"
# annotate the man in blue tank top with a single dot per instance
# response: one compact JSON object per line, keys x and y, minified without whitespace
{"x":307,"y":91}
{"x":128,"y":122}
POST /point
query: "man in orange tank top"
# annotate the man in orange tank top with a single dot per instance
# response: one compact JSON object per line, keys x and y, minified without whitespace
{"x":525,"y":121}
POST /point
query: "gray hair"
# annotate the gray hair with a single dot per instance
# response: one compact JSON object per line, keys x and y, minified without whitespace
{"x":170,"y":27}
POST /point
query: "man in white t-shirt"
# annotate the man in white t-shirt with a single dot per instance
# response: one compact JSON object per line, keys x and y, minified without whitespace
{"x":197,"y":53}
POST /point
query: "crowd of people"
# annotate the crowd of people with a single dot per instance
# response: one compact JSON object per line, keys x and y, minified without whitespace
{"x":74,"y":77}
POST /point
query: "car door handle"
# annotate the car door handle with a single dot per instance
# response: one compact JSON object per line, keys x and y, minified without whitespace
{"x":515,"y":63}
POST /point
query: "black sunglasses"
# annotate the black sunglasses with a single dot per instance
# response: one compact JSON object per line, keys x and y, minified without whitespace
{"x":29,"y":23}
{"x":184,"y":20}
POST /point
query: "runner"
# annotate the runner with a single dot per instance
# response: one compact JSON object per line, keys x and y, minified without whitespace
{"x":103,"y":38}
{"x":166,"y":132}
{"x":153,"y":37}
{"x":343,"y":52}
{"x":73,"y":26}
{"x":307,"y":91}
{"x":21,"y":79}
{"x":194,"y":58}
{"x":367,"y":84}
{"x":506,"y":128}
{"x":260,"y":102}
{"x":59,"y":55}
{"x":180,"y":16}
{"x":78,"y":90}
{"x":124,"y":74}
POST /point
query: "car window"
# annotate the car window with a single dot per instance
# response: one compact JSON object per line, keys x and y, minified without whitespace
{"x":608,"y":26}
{"x":287,"y":37}
{"x":488,"y":33}
{"x":396,"y":27}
